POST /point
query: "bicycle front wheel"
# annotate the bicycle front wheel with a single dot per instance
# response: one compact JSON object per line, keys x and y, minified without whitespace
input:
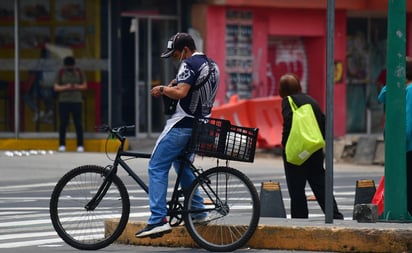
{"x":79,"y":225}
{"x":231,"y":209}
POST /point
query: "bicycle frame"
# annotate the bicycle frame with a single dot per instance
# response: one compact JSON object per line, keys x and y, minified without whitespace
{"x":175,"y":207}
{"x":219,"y":188}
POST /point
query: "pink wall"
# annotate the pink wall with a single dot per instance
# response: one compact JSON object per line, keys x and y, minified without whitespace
{"x":340,"y":88}
{"x":215,"y":44}
{"x":310,"y":25}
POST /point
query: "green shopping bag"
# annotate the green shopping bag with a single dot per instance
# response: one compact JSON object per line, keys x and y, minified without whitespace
{"x":305,"y":136}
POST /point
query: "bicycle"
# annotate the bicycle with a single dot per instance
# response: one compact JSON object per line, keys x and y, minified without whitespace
{"x":85,"y":197}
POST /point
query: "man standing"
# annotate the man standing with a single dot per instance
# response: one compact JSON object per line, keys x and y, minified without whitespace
{"x":69,"y":84}
{"x":195,"y":88}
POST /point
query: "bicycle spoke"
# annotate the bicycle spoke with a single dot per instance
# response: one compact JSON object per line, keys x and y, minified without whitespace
{"x":230,"y":200}
{"x":82,"y":228}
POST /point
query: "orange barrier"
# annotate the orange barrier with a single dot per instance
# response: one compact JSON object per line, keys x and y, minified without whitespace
{"x":266,"y":114}
{"x":379,"y":198}
{"x":236,"y":112}
{"x":263,"y":113}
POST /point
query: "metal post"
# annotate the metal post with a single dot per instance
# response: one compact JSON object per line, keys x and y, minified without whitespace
{"x":109,"y":62}
{"x":395,"y":129}
{"x":149,"y":77}
{"x":16,"y":70}
{"x":137,"y":90}
{"x":330,"y":22}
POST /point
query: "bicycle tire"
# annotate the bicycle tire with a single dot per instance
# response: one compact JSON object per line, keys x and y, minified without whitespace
{"x":82,"y":229}
{"x":231,"y":224}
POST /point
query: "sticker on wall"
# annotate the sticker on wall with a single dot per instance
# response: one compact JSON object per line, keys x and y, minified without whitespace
{"x":338,"y":75}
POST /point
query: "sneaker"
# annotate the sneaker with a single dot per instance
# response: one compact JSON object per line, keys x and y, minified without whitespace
{"x":80,"y":149}
{"x":62,"y":148}
{"x":153,"y":229}
{"x":202,"y":220}
{"x":38,"y":115}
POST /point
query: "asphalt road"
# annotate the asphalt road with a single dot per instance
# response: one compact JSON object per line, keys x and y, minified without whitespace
{"x":26,"y":183}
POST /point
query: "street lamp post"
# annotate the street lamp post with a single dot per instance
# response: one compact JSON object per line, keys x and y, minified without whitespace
{"x":395,"y":129}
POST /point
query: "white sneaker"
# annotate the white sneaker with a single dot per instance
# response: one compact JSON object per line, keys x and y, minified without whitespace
{"x":62,"y":148}
{"x":202,"y":220}
{"x":38,"y":115}
{"x":80,"y":149}
{"x":153,"y":229}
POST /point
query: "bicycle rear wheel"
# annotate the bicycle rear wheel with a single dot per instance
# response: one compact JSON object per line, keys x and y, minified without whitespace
{"x":82,"y":228}
{"x":232,"y":207}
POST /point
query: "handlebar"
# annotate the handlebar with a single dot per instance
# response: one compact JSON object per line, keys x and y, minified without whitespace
{"x":116,"y":131}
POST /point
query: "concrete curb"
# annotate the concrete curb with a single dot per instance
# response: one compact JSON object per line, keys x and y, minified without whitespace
{"x":90,"y":145}
{"x":326,"y":237}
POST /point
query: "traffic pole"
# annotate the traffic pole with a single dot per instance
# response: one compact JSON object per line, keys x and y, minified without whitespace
{"x":395,"y":206}
{"x":330,"y":40}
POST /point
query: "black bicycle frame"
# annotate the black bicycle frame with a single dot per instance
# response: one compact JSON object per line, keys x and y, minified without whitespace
{"x":175,"y":208}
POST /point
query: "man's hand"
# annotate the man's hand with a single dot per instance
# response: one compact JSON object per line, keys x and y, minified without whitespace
{"x":172,"y":90}
{"x":156,"y":91}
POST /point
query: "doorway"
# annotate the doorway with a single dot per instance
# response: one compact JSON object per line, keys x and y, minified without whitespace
{"x":144,"y":69}
{"x":366,"y":59}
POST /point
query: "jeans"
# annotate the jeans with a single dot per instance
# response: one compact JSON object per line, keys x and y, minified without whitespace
{"x":65,"y":109}
{"x":165,"y":154}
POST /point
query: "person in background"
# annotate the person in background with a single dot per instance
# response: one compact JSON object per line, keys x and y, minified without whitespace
{"x":69,"y":83}
{"x":381,"y":81}
{"x":40,"y":90}
{"x":311,"y":170}
{"x":408,"y":104}
{"x":195,"y":89}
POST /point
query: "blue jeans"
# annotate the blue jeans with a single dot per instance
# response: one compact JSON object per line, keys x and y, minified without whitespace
{"x":165,"y":154}
{"x":75,"y":109}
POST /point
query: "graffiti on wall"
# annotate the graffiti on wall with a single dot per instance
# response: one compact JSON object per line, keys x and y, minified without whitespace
{"x":285,"y":56}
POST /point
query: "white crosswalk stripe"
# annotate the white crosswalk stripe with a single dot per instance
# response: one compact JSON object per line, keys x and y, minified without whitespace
{"x":21,"y":229}
{"x":25,"y":220}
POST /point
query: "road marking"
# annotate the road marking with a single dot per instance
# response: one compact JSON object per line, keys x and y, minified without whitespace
{"x":24,"y":223}
{"x":27,"y":235}
{"x":33,"y":224}
{"x":23,"y":186}
{"x":29,"y":243}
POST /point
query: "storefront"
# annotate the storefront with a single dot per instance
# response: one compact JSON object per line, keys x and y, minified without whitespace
{"x":118,"y":44}
{"x":35,"y":37}
{"x":274,"y":38}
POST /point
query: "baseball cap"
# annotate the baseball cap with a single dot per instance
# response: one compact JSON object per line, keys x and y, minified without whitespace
{"x":178,"y":42}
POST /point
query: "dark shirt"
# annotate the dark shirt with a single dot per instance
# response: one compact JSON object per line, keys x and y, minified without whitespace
{"x":70,"y":75}
{"x":198,"y":102}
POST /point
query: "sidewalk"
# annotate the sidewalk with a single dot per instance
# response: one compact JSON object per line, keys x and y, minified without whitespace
{"x":294,"y":234}
{"x":299,"y":234}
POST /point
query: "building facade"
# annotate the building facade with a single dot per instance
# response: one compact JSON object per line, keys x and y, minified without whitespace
{"x":118,"y":44}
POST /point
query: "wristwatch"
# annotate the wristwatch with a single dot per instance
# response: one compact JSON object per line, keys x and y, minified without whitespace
{"x":161,"y":89}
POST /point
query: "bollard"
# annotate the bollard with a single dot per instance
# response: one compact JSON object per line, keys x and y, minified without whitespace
{"x":365,"y":189}
{"x":362,"y":210}
{"x":366,"y":213}
{"x":271,"y":201}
